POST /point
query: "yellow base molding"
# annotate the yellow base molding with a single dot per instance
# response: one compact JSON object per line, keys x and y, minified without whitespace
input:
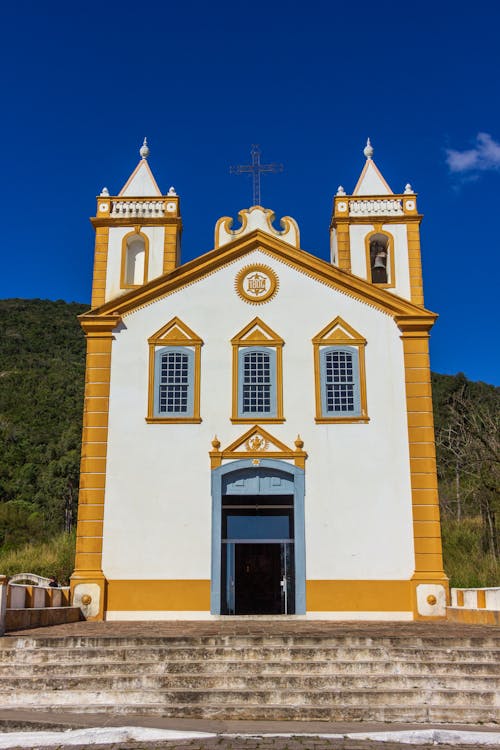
{"x":363,"y":596}
{"x":159,"y":595}
{"x":88,"y":591}
{"x":473,"y":616}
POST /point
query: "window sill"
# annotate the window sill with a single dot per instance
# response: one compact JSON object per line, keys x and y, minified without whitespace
{"x":342,"y":420}
{"x":257,"y":419}
{"x":173,"y":420}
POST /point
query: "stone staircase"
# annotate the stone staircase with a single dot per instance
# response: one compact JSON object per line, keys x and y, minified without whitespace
{"x":403,"y":678}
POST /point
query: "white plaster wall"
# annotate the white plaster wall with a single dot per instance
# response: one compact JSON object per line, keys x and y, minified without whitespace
{"x":358,"y":233}
{"x":156,"y":237}
{"x":157,"y":521}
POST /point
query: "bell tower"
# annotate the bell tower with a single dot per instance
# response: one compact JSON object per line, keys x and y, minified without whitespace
{"x":375,"y":233}
{"x":138,"y":234}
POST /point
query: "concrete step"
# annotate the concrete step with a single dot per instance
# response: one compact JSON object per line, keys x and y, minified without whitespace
{"x":92,"y":682}
{"x":264,"y":653}
{"x":256,"y":668}
{"x":463,"y":714}
{"x":251,"y":698}
{"x":490,"y":640}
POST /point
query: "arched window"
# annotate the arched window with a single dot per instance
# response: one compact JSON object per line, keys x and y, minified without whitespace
{"x":379,"y":259}
{"x":134,"y":260}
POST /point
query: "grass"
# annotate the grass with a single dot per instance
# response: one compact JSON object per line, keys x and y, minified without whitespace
{"x":54,"y":558}
{"x":464,"y":560}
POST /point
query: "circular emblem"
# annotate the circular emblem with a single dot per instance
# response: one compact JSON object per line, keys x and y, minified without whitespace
{"x":342,"y":206}
{"x":410,"y":205}
{"x":256,"y":443}
{"x":256,"y":284}
{"x":171,"y":207}
{"x":103,"y":207}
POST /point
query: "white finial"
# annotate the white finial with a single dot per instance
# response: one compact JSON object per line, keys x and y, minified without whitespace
{"x":408,"y":189}
{"x":368,"y":149}
{"x":340,"y":190}
{"x":171,"y":191}
{"x":144,"y":150}
{"x":105,"y":192}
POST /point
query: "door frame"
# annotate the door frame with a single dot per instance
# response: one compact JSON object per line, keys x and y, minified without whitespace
{"x":298,"y":475}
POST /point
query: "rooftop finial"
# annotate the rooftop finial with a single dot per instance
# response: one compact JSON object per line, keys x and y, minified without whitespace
{"x":144,"y":150}
{"x":368,"y":149}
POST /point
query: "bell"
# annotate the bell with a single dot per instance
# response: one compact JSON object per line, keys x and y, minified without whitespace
{"x":380,"y":260}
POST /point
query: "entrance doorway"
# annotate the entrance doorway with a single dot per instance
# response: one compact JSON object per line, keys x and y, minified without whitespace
{"x":258,"y":538}
{"x":258,"y":562}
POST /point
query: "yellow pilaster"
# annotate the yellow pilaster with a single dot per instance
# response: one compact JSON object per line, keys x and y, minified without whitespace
{"x":88,"y":579}
{"x":425,"y":499}
{"x":343,"y":246}
{"x":171,"y":247}
{"x":415,"y":263}
{"x":100,"y":265}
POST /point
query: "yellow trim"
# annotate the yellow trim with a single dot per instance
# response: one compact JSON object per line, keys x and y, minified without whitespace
{"x":340,"y":333}
{"x":100,"y":266}
{"x":257,"y":268}
{"x":358,"y":596}
{"x":176,"y":595}
{"x":88,"y":561}
{"x":267,"y":446}
{"x":320,"y":270}
{"x":258,"y":333}
{"x":423,"y":474}
{"x":391,"y":266}
{"x":123,"y":273}
{"x":175,"y":333}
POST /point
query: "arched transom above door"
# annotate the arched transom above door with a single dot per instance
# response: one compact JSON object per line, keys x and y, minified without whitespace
{"x":256,"y":444}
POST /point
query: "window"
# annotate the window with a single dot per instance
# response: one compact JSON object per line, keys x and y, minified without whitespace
{"x":174,"y":374}
{"x":257,"y":382}
{"x":380,"y":259}
{"x":340,"y":381}
{"x":257,"y":374}
{"x":340,"y":374}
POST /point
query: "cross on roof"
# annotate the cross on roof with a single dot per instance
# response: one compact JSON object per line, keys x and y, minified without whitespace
{"x":256,"y":169}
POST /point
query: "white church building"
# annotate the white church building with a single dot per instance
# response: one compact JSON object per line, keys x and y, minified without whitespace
{"x":258,"y":430}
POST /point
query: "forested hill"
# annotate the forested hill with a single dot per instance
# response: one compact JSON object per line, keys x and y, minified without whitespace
{"x":42,"y":361}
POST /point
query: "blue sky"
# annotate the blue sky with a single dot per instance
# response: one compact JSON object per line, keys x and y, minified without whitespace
{"x":84,"y":83}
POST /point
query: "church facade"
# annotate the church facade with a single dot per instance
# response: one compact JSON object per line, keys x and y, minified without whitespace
{"x":258,"y":431}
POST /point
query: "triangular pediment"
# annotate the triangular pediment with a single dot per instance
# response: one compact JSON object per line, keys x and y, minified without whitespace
{"x":257,"y":333}
{"x":338,"y":332}
{"x":371,"y":181}
{"x":275,"y":249}
{"x":175,"y":333}
{"x":141,"y":183}
{"x":257,"y":440}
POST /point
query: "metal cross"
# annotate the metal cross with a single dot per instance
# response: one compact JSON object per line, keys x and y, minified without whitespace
{"x":256,"y":169}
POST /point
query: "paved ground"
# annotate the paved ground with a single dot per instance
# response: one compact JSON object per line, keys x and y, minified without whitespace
{"x":251,"y":626}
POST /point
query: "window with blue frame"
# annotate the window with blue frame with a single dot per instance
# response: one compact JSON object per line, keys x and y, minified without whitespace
{"x":174,"y":382}
{"x":257,"y":382}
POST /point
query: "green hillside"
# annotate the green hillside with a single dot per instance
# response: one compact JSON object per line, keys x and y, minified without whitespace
{"x":42,"y":362}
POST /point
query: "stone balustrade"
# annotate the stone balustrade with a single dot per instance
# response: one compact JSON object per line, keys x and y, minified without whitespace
{"x":376,"y":207}
{"x":139,"y":208}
